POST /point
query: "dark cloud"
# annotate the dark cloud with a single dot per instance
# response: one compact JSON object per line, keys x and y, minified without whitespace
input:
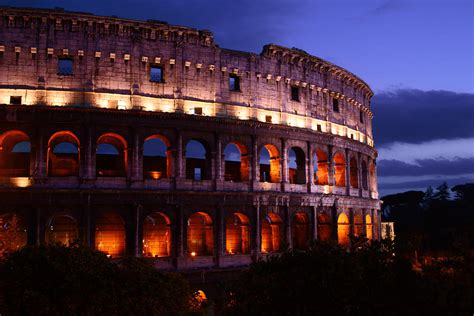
{"x":457,"y":166}
{"x":413,"y":116}
{"x":420,"y":184}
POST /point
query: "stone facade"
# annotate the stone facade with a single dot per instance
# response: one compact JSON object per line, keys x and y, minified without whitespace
{"x":92,"y":81}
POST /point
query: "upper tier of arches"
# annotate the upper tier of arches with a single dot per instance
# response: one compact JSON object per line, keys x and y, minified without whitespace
{"x":236,"y":162}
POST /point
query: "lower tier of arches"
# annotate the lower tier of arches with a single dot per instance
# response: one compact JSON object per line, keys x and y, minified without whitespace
{"x":183,"y":230}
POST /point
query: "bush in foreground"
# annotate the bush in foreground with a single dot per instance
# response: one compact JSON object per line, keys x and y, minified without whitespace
{"x":77,"y":280}
{"x":369,"y":280}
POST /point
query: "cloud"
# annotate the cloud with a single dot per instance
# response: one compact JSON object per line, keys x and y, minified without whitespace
{"x":415,"y":116}
{"x":459,"y":166}
{"x":422,"y":184}
{"x":437,"y":149}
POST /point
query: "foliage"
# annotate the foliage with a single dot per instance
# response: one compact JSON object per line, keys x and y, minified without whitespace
{"x":77,"y":280}
{"x":433,"y":223}
{"x":329,"y":280}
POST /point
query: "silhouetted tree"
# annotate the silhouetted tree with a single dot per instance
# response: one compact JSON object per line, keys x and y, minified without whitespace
{"x":442,"y":193}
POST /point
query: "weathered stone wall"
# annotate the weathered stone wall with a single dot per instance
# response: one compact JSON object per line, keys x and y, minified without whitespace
{"x":114,"y":102}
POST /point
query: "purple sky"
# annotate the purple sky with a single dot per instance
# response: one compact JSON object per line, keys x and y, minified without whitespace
{"x":417,"y":55}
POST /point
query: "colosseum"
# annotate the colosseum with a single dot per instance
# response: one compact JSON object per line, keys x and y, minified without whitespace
{"x":146,"y":139}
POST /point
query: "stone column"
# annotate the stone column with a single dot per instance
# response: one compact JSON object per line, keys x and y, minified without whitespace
{"x":348,"y":172}
{"x":372,"y":217}
{"x":137,"y":158}
{"x":314,"y":223}
{"x":41,"y":155}
{"x":284,"y":164}
{"x":309,"y":167}
{"x":335,"y":227}
{"x":359,"y":172}
{"x":39,"y":230}
{"x":88,"y":156}
{"x":257,"y":235}
{"x":180,"y":227}
{"x":254,"y":177}
{"x":331,"y":177}
{"x":138,"y":231}
{"x":351,"y":222}
{"x":364,"y":224}
{"x":288,"y":222}
{"x":219,"y":160}
{"x":89,"y":238}
{"x":179,"y":161}
{"x":220,"y":232}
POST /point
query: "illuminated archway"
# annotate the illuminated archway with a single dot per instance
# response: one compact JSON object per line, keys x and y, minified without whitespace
{"x":271,"y":233}
{"x":157,"y":235}
{"x":354,"y":173}
{"x":358,"y":226}
{"x":61,"y":229}
{"x":236,"y":163}
{"x":111,"y":156}
{"x":15,"y":152}
{"x":157,"y":159}
{"x":200,"y":235}
{"x":368,"y":226}
{"x":63,"y":155}
{"x":198,"y":161}
{"x":301,"y":231}
{"x":320,"y":168}
{"x":339,"y":170}
{"x":269,"y":166}
{"x":13,"y":234}
{"x":237,"y":232}
{"x":110,"y":234}
{"x":324,"y":227}
{"x":296,"y":166}
{"x":343,"y":230}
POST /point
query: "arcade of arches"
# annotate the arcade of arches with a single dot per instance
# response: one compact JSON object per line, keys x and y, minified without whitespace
{"x":112,"y":236}
{"x":112,"y":157}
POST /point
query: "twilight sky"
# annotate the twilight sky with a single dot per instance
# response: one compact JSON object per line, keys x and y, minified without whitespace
{"x":417,"y":55}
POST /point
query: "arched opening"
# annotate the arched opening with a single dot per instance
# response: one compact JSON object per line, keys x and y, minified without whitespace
{"x":269,"y":164}
{"x":63,"y":155}
{"x":271,"y":233}
{"x":364,"y":176}
{"x":15,"y":152}
{"x":237,"y":232}
{"x":354,"y":170}
{"x":301,"y":231}
{"x":296,"y":166}
{"x":200,"y":235}
{"x":157,"y":159}
{"x":111,"y":156}
{"x":324,"y":227}
{"x":198,"y":161}
{"x":110,"y":234}
{"x":61,"y":229}
{"x":368,"y":226}
{"x":320,"y":168}
{"x":343,"y":230}
{"x":358,"y":226}
{"x":13,"y":234}
{"x":157,"y":235}
{"x":339,"y":170}
{"x":236,"y":163}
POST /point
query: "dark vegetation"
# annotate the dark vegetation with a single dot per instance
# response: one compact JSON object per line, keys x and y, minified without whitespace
{"x":368,"y":280}
{"x":77,"y":280}
{"x":433,"y":223}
